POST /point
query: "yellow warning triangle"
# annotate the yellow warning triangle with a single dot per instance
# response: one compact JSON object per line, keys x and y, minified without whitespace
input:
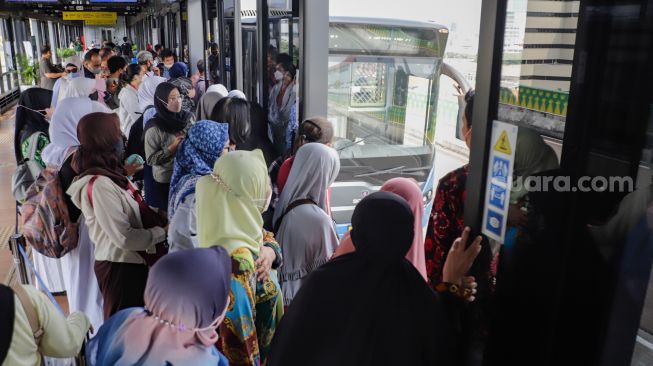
{"x":503,"y":144}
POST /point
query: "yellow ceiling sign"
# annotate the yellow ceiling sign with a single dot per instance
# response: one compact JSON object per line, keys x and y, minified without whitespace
{"x":91,"y":15}
{"x":99,"y":22}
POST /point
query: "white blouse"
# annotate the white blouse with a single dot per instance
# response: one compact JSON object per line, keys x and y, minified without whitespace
{"x":129,"y":110}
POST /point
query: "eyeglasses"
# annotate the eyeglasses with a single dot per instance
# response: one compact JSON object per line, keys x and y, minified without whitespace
{"x":178,"y":97}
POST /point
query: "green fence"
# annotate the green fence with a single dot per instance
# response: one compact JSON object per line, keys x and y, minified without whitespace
{"x":541,"y":100}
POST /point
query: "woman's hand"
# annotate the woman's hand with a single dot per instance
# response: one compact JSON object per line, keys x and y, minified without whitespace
{"x":460,"y":260}
{"x":175,"y":144}
{"x":264,"y":263}
{"x":133,"y":168}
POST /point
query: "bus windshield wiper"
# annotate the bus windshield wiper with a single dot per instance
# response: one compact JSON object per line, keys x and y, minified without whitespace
{"x":362,"y":139}
{"x":397,"y":170}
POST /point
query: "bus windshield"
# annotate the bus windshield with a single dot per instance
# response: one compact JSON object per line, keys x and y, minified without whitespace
{"x":382,"y":104}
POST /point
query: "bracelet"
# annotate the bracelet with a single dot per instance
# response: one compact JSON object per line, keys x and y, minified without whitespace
{"x":443,"y":287}
{"x":457,"y":290}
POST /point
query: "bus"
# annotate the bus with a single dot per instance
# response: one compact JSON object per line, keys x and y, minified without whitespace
{"x":383,"y":87}
{"x":383,"y":84}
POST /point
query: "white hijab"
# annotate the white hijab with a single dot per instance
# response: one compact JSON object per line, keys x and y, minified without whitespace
{"x":78,"y":87}
{"x":218,"y":88}
{"x":237,"y":94}
{"x":146,"y":91}
{"x":306,"y":235}
{"x":314,"y":169}
{"x":63,"y":127}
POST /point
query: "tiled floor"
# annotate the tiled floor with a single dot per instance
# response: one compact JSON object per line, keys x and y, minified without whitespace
{"x":7,"y":203}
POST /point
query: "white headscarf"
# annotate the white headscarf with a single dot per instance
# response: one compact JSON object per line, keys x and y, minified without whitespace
{"x":75,"y":60}
{"x":314,"y":169}
{"x":218,"y":88}
{"x":307,"y":236}
{"x":63,"y":127}
{"x":146,"y":91}
{"x":237,"y":94}
{"x":79,"y":87}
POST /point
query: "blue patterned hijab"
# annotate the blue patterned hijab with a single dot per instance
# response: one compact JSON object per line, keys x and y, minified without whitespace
{"x":195,"y":158}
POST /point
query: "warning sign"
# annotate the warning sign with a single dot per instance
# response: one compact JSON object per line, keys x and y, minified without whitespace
{"x":503,"y":144}
{"x":499,"y":179}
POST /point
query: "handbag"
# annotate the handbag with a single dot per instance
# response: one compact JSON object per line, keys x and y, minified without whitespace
{"x":149,"y":219}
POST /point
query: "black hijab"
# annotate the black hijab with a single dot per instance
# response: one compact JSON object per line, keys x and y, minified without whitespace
{"x":27,"y":121}
{"x":165,"y":120}
{"x":370,"y":307}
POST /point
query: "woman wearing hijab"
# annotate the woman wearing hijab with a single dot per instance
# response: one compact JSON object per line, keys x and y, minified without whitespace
{"x":209,"y":100}
{"x":163,"y":135}
{"x":178,"y":325}
{"x":229,"y":205}
{"x":179,"y":78}
{"x":130,"y":111}
{"x":408,"y":190}
{"x":32,"y":128}
{"x":304,"y":228}
{"x":84,"y":87}
{"x":205,"y":142}
{"x":135,"y":144}
{"x":82,"y":290}
{"x":110,"y":205}
{"x":31,"y":119}
{"x":337,"y":318}
{"x":73,"y":70}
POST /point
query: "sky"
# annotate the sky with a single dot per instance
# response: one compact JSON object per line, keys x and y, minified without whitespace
{"x":465,"y":13}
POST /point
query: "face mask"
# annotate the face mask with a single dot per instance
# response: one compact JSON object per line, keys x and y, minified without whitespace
{"x":96,"y":70}
{"x":173,"y":106}
{"x":168,"y":66}
{"x":278,"y":75}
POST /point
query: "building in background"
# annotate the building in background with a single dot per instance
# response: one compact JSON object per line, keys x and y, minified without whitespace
{"x":549,"y":41}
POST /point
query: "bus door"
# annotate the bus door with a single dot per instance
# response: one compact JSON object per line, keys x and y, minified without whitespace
{"x":560,"y":185}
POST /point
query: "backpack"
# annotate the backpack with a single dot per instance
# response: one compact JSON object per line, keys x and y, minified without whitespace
{"x":46,"y":220}
{"x":27,"y":171}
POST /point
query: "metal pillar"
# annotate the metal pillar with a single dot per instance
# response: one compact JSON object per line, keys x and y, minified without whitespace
{"x":314,"y":59}
{"x":262,"y":40}
{"x":195,"y":31}
{"x":237,"y":58}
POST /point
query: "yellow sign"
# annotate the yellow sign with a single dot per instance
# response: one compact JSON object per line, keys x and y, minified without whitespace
{"x":91,"y":15}
{"x":503,"y":144}
{"x":99,"y":22}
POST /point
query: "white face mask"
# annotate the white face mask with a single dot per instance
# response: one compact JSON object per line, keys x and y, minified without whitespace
{"x":168,"y":66}
{"x":173,"y":106}
{"x":278,"y":75}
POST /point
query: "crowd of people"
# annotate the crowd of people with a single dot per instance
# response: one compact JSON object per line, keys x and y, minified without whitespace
{"x":205,"y":230}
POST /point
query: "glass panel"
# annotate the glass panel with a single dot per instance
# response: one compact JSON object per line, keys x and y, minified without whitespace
{"x":588,"y":219}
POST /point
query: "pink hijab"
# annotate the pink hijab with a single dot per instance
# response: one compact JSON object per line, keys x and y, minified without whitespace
{"x":408,"y":190}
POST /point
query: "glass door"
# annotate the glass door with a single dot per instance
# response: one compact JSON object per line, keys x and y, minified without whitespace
{"x":560,"y":184}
